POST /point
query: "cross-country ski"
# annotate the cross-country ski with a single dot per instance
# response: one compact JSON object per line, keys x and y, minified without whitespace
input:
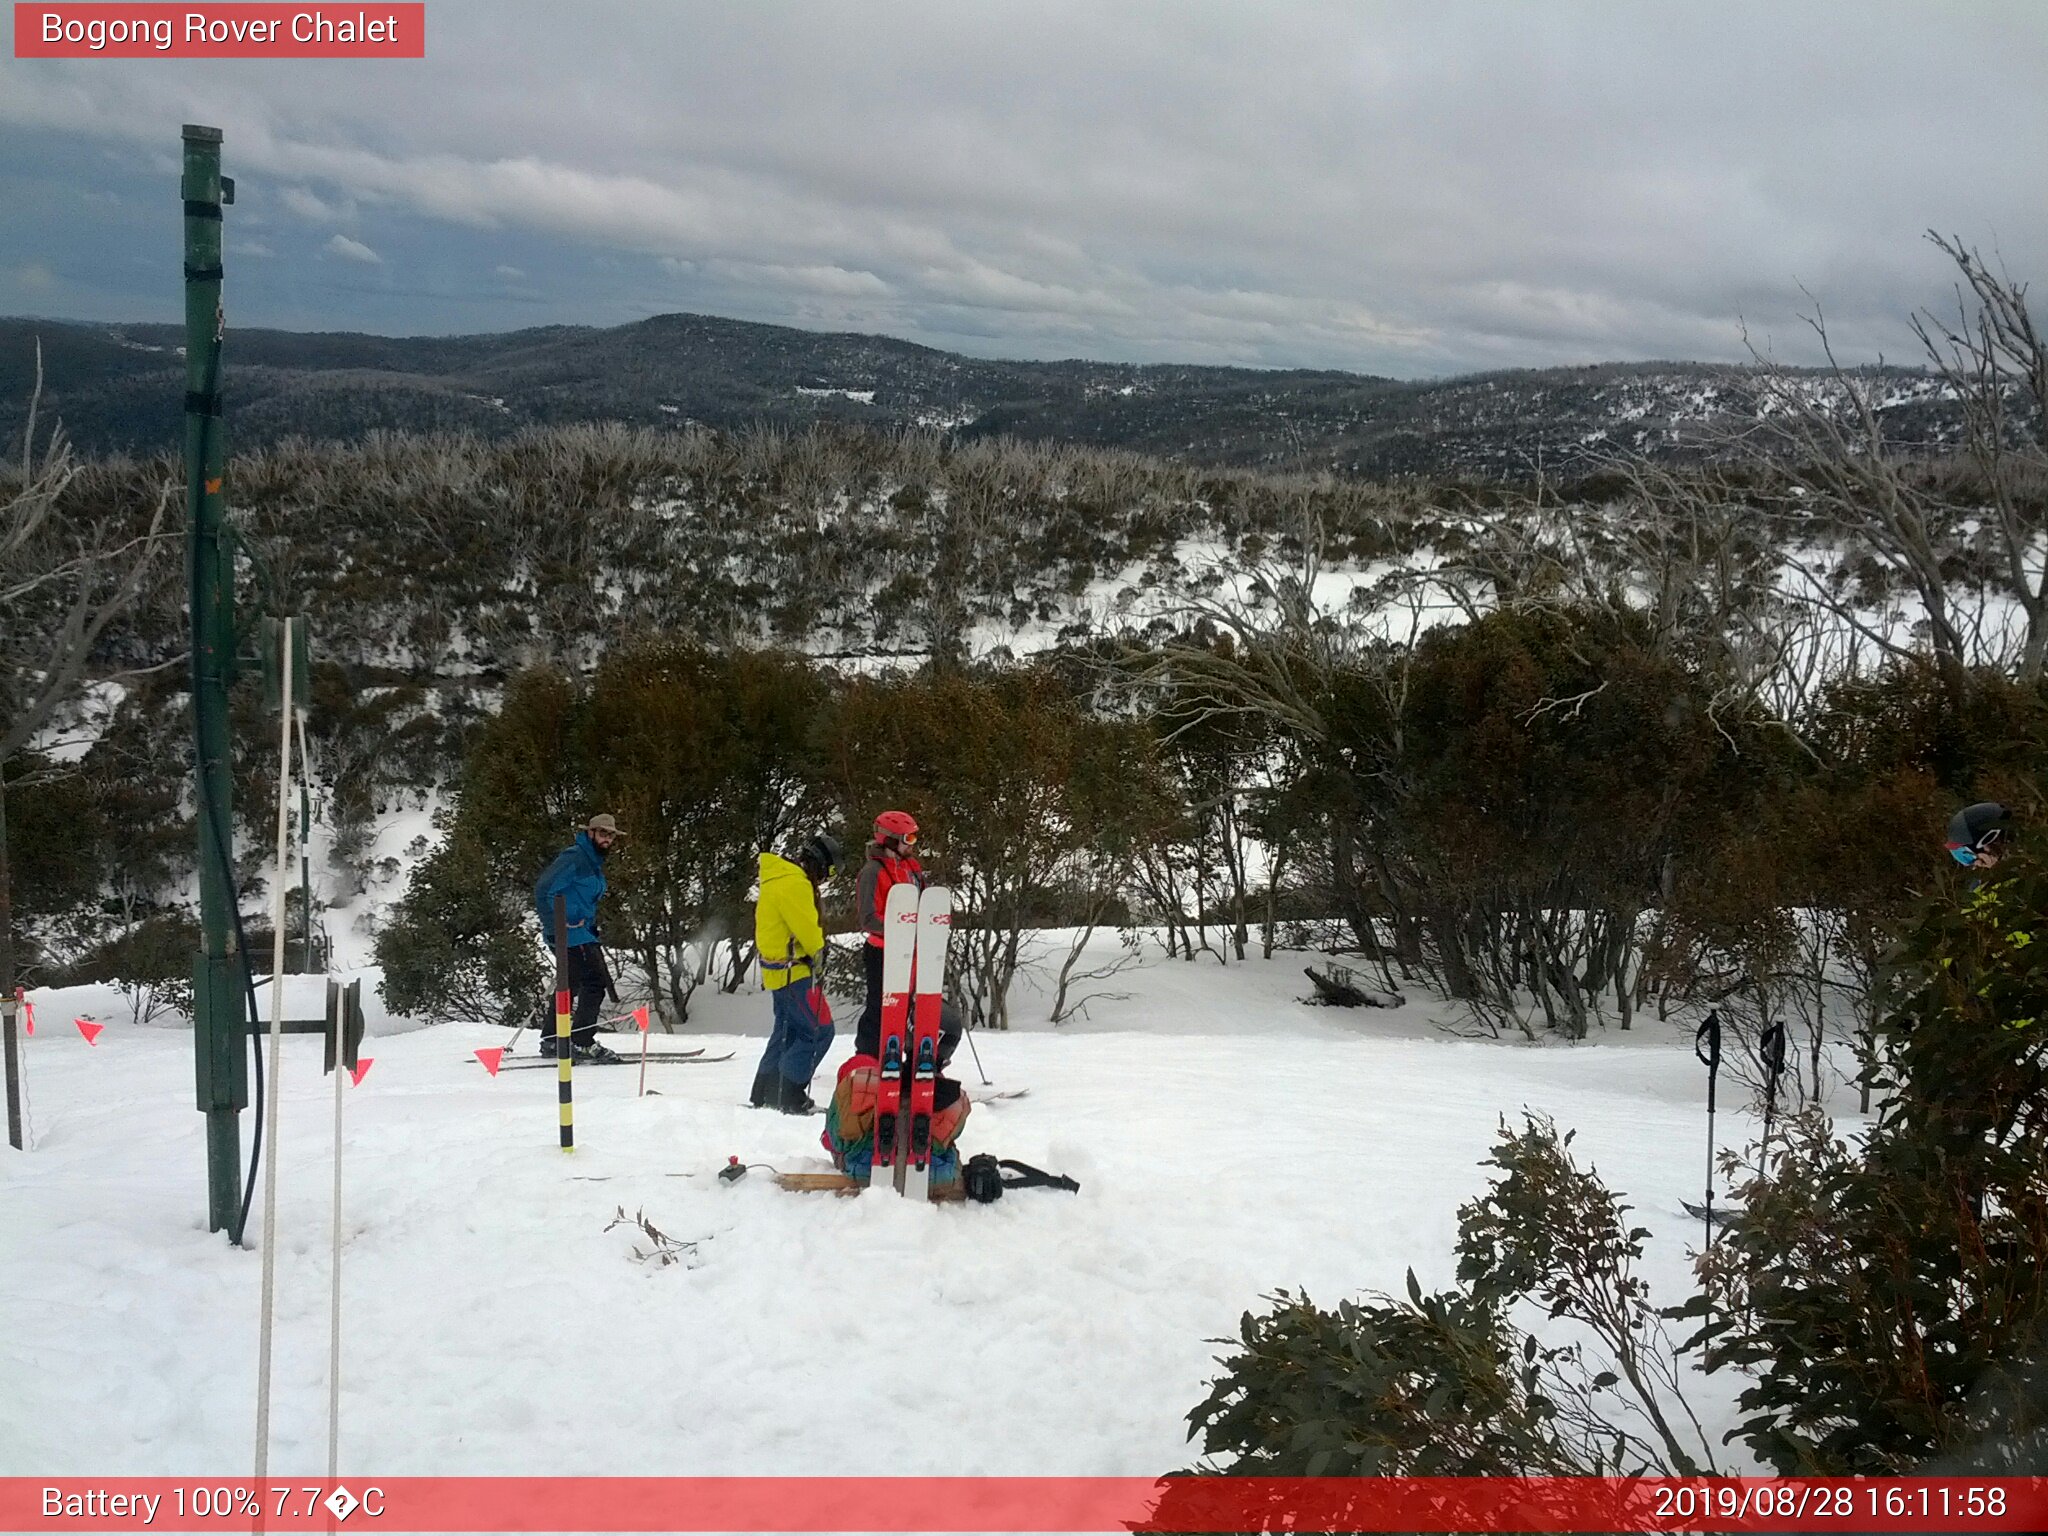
{"x":653,"y":1058}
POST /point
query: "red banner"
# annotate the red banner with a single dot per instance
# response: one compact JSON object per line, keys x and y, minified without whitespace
{"x":217,"y":31}
{"x":1029,"y":1504}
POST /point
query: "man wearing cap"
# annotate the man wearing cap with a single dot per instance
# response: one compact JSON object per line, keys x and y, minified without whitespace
{"x":790,"y":939}
{"x":577,"y":875}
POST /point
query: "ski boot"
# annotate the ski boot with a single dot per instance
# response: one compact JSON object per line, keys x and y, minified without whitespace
{"x":796,"y":1099}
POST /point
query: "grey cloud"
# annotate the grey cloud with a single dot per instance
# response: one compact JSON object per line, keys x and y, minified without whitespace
{"x":352,"y":250}
{"x":313,"y":209}
{"x":1381,"y":186}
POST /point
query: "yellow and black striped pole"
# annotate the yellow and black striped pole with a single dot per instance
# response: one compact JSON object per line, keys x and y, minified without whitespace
{"x":564,"y":1045}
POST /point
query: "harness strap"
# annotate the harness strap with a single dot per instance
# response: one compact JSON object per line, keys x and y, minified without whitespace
{"x":1030,"y":1177}
{"x":793,"y":959}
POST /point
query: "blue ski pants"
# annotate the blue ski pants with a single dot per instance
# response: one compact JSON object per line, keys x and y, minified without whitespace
{"x":798,"y":1042}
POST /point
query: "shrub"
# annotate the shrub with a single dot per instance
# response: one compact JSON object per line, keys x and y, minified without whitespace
{"x":1892,"y":1298}
{"x":1449,"y":1384}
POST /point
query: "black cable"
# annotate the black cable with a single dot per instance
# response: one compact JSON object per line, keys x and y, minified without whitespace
{"x":212,"y":813}
{"x":254,"y":1017}
{"x":734,"y":1170}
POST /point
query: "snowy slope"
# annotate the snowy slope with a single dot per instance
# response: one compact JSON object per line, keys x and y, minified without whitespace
{"x":1228,"y":1141}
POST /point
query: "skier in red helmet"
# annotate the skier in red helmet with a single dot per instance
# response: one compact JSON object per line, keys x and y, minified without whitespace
{"x":889,"y":863}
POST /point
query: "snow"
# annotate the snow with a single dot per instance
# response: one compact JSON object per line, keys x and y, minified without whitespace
{"x":1228,"y":1141}
{"x":349,"y":918}
{"x":77,"y":728}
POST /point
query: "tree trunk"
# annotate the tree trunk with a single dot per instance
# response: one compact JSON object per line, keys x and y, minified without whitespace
{"x":1059,"y":1001}
{"x":1233,"y":855}
{"x":1820,"y":1004}
{"x":12,"y":1046}
{"x":1011,"y":944}
{"x":739,"y":960}
{"x":1458,"y":979}
{"x":679,"y":986}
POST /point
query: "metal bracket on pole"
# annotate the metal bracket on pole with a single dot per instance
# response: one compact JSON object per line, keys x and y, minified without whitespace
{"x":270,"y":658}
{"x":344,"y":1023}
{"x":12,"y":1047}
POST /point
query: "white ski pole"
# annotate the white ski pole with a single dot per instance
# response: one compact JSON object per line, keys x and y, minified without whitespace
{"x":284,"y":774}
{"x":334,"y":1313}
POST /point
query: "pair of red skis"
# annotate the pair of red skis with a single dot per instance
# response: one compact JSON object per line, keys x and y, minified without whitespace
{"x":915,"y":927}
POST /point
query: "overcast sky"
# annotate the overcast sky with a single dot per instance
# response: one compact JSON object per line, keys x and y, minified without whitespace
{"x":1412,"y":189}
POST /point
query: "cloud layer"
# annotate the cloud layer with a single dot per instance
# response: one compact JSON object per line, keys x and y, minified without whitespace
{"x":1392,"y":188}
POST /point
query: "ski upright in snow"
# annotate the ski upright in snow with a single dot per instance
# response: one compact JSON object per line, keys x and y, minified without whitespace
{"x":928,"y":981}
{"x":899,"y":953}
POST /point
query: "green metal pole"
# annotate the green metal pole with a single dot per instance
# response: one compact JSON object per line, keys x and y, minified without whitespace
{"x":218,"y":1018}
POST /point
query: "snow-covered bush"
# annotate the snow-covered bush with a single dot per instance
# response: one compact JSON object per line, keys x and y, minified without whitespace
{"x":1452,"y":1384}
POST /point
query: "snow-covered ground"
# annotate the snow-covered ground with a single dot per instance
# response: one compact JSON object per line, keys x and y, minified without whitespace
{"x":1228,"y":1141}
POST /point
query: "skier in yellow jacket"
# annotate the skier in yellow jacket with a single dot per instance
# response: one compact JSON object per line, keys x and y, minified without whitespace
{"x":790,"y":939}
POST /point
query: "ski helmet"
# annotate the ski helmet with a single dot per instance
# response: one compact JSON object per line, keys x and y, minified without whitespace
{"x":821,"y":855}
{"x":1978,"y":833}
{"x":897,"y":824}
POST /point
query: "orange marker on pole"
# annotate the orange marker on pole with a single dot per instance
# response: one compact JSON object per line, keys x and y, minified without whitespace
{"x":564,"y":1046}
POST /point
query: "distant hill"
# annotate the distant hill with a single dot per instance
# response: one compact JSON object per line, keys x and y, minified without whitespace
{"x":121,"y":389}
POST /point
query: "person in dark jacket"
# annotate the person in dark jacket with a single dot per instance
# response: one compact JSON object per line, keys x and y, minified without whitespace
{"x":577,"y":875}
{"x":1978,"y":834}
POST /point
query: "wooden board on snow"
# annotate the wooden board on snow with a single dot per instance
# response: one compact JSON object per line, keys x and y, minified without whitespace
{"x":846,"y":1184}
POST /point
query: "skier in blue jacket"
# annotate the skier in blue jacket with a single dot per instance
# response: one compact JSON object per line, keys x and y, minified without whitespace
{"x":577,"y":876}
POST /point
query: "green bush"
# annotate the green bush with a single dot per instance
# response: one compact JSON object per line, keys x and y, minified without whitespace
{"x":1891,"y":1298}
{"x":461,"y":946}
{"x":1448,"y":1384}
{"x":151,"y":965}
